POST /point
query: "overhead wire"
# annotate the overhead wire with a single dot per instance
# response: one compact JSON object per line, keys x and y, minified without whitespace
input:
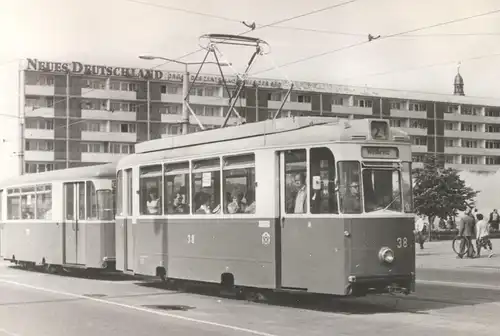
{"x":383,"y":37}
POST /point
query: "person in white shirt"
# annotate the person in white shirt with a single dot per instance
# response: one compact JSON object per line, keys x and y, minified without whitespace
{"x":482,"y":235}
{"x":420,"y":224}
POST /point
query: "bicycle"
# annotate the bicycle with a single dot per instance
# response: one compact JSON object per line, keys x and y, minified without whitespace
{"x":469,"y":250}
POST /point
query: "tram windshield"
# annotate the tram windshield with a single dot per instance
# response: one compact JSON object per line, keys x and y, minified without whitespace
{"x":381,"y":188}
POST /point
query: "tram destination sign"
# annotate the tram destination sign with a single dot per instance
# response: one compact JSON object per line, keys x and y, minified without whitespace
{"x":79,"y":68}
{"x":380,"y":152}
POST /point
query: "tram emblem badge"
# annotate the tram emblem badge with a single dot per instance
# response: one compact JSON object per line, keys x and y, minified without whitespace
{"x":266,"y":238}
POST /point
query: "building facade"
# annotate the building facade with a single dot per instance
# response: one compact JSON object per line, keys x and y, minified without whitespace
{"x":77,"y":114}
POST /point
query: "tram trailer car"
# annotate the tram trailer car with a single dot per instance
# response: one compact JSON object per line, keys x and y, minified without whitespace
{"x":60,"y":219}
{"x":315,"y":205}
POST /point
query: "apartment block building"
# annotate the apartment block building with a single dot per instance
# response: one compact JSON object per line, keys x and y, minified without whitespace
{"x":77,"y":114}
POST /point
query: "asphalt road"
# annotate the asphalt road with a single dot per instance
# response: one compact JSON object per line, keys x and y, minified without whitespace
{"x":37,"y":304}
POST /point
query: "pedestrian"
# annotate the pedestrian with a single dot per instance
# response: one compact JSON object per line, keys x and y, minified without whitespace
{"x":419,"y":230}
{"x":482,"y":236}
{"x":466,"y":228}
{"x":494,"y":219}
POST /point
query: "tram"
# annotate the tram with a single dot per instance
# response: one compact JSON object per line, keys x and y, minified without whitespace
{"x":61,"y":219}
{"x":316,"y":205}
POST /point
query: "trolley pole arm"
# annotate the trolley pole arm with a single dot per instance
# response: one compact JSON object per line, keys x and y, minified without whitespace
{"x":283,"y":102}
{"x":195,"y":117}
{"x":240,"y":87}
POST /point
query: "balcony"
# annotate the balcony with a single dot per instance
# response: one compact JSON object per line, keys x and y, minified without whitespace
{"x":352,"y":110}
{"x":289,"y":105}
{"x":468,"y":118}
{"x":120,"y":95}
{"x":43,"y":112}
{"x":414,"y":131}
{"x":418,"y":149}
{"x":465,"y":150}
{"x":107,"y":115}
{"x":408,"y":114}
{"x":205,"y":120}
{"x":43,"y":134}
{"x":101,"y":157}
{"x":473,"y":167}
{"x":39,"y":90}
{"x":472,"y":135}
{"x":109,"y":136}
{"x":39,"y":156}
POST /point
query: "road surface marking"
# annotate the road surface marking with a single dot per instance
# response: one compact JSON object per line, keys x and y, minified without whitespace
{"x":144,"y":310}
{"x":458,"y":284}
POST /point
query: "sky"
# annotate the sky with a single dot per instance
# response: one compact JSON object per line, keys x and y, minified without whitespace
{"x":116,"y":32}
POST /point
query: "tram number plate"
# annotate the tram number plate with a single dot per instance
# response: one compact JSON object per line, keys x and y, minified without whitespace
{"x":402,"y":242}
{"x":190,"y":239}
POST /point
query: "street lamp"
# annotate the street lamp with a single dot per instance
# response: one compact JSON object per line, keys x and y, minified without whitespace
{"x":185,"y":84}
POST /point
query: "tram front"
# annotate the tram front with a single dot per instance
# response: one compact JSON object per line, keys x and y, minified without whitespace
{"x":376,"y":201}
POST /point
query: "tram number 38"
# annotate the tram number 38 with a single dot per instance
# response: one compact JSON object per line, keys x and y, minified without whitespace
{"x":402,"y":242}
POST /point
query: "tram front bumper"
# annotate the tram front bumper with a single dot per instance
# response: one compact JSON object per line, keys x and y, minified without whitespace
{"x":380,"y":284}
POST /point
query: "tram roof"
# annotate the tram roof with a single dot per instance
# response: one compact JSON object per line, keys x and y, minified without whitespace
{"x":278,"y":133}
{"x":229,"y":133}
{"x":96,"y":171}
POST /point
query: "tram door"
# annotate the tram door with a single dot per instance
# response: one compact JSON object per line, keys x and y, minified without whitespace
{"x":292,"y":216}
{"x":74,"y":212}
{"x":129,"y":233}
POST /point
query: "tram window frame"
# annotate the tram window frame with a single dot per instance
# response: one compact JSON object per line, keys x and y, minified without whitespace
{"x":119,"y":193}
{"x":92,"y":212}
{"x":69,"y":204}
{"x":13,"y":194}
{"x":174,"y":170}
{"x":154,"y":171}
{"x":343,"y":186}
{"x":376,"y":196}
{"x":321,"y":185}
{"x":407,"y":194}
{"x":239,"y":166}
{"x":129,"y":191}
{"x":45,"y":191}
{"x":199,"y":173}
{"x":290,"y":192}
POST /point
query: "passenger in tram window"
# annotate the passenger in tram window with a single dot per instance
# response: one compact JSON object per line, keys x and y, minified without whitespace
{"x":153,"y":203}
{"x":235,"y":205}
{"x":351,"y":199}
{"x":301,"y":193}
{"x":249,"y":201}
{"x":203,"y":201}
{"x":180,"y":202}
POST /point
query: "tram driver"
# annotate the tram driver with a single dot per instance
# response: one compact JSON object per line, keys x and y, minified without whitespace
{"x":351,"y":200}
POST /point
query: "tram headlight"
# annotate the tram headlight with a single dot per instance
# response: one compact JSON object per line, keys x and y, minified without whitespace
{"x":386,"y":255}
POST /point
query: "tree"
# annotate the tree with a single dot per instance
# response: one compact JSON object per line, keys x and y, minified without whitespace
{"x":440,"y":191}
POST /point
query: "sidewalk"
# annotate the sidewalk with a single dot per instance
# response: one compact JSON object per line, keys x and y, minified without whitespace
{"x":439,"y":254}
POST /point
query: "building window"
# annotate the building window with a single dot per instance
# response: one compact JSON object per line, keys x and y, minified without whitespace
{"x":274,"y":96}
{"x":94,"y":84}
{"x":123,"y":86}
{"x":449,"y":142}
{"x":469,"y":143}
{"x":418,"y":157}
{"x":123,"y":128}
{"x":418,"y":107}
{"x":397,"y":122}
{"x":39,"y":102}
{"x":39,"y":124}
{"x":469,"y":159}
{"x":493,"y":128}
{"x":469,"y":110}
{"x":450,"y":159}
{"x":450,"y":126}
{"x":94,"y":104}
{"x":38,"y":167}
{"x":417,"y":123}
{"x":338,"y":101}
{"x":468,"y":127}
{"x":93,"y":126}
{"x":39,"y":145}
{"x":364,"y":103}
{"x":492,"y":112}
{"x":395,"y":105}
{"x":39,"y":79}
{"x":493,"y":160}
{"x":452,"y":109}
{"x":492,"y":144}
{"x":121,"y":148}
{"x":93,"y":148}
{"x":419,"y":140}
{"x":303,"y":99}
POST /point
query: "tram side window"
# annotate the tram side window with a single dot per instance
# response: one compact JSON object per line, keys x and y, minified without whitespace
{"x":91,"y":201}
{"x":28,"y":200}
{"x":407,"y":187}
{"x":349,"y":189}
{"x":44,"y":202}
{"x":150,"y":184}
{"x":295,"y":181}
{"x":322,"y":181}
{"x":177,"y":188}
{"x":119,"y":193}
{"x":70,"y":201}
{"x":239,"y":184}
{"x":13,"y":204}
{"x":104,"y":204}
{"x":81,"y":200}
{"x":206,"y":186}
